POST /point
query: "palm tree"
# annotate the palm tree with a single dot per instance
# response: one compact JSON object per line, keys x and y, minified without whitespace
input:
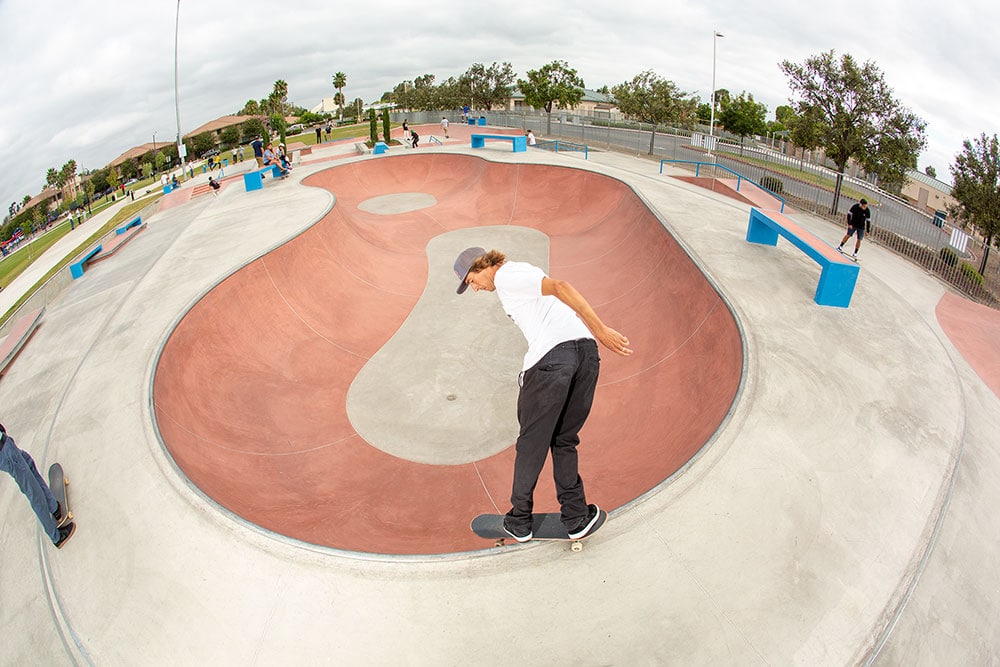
{"x":339,"y":82}
{"x":280,"y":96}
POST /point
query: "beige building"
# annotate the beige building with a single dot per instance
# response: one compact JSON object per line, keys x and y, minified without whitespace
{"x":593,"y":103}
{"x":926,"y":193}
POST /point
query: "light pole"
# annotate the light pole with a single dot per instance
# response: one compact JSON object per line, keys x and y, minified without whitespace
{"x":711,"y":124}
{"x":177,"y":103}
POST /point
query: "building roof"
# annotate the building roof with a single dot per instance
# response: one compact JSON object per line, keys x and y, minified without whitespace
{"x":588,"y":96}
{"x":46,"y":194}
{"x":929,"y":181}
{"x":221,"y":123}
{"x":136,"y":151}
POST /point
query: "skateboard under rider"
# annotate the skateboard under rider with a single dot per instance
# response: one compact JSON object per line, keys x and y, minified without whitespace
{"x":543,"y":527}
{"x":58,"y":484}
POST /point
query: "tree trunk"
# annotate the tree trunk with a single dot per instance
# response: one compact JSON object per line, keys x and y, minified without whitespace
{"x":836,"y":191}
{"x":986,"y":255}
{"x":548,"y":123}
{"x":652,"y":139}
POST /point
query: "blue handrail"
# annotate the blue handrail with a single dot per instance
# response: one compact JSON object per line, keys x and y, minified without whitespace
{"x":739,"y":177}
{"x":565,"y":146}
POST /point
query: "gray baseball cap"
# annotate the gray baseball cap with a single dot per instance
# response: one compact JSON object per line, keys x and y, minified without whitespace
{"x":464,"y":263}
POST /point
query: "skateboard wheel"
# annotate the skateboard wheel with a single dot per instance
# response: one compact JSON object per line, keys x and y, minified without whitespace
{"x":66,"y":481}
{"x":577,"y":546}
{"x":69,"y":516}
{"x":499,"y":543}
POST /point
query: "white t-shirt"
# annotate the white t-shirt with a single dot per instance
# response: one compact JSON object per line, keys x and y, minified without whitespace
{"x":545,"y":321}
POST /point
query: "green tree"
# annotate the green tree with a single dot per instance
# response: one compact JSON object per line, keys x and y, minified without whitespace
{"x":976,"y":176}
{"x":451,"y":94}
{"x":652,"y":99}
{"x":251,"y":129}
{"x":930,"y":171}
{"x":99,"y":180}
{"x":278,"y":125}
{"x":744,"y":117}
{"x":129,"y":169}
{"x":858,"y":117}
{"x":159,"y":160}
{"x":339,"y":82}
{"x":200,"y":143}
{"x":386,"y":127}
{"x":805,"y":131}
{"x":230,"y":136}
{"x":51,"y":176}
{"x":372,"y":127}
{"x":489,"y":86}
{"x":279,"y":97}
{"x":251,"y":108}
{"x":785,"y":115}
{"x":554,"y":83}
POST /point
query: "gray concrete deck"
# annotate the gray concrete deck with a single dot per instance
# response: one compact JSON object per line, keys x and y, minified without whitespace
{"x":844,"y":514}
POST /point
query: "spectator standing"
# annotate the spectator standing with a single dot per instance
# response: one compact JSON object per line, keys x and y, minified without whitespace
{"x":258,"y":151}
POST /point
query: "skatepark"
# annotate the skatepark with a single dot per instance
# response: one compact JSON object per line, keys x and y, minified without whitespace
{"x":278,"y":420}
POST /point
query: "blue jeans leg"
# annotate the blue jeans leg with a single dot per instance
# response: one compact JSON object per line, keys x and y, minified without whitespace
{"x":21,"y":467}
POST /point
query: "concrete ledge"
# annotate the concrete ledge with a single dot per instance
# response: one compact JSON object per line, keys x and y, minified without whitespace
{"x":18,"y":336}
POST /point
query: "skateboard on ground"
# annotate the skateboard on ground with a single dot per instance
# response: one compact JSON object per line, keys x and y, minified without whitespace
{"x":58,"y":484}
{"x":543,"y":527}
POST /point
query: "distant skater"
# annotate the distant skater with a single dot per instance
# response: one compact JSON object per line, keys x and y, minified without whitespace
{"x":857,"y":220}
{"x":444,"y":126}
{"x":414,"y":138}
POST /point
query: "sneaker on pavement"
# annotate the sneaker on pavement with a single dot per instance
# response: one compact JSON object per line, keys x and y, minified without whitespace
{"x":519,"y":534}
{"x":840,"y":249}
{"x":593,"y":511}
{"x":65,"y":533}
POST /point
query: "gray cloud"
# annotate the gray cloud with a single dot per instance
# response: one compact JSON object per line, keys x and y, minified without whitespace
{"x":91,"y":79}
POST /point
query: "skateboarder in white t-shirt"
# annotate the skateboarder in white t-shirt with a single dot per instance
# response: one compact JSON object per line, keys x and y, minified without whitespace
{"x":557,"y":380}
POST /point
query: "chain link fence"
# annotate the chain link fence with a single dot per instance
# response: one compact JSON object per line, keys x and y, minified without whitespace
{"x":952,"y":253}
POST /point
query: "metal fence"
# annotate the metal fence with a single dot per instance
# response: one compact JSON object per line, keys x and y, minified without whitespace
{"x":952,"y":253}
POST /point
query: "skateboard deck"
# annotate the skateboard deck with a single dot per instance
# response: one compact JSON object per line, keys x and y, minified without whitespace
{"x":543,"y":527}
{"x":58,"y":484}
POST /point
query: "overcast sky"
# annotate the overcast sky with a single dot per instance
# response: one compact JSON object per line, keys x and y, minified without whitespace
{"x":87,"y":80}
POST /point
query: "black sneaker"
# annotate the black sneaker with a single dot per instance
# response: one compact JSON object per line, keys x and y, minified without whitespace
{"x":61,"y":519}
{"x":593,"y":511}
{"x":65,"y":533}
{"x":521,"y":535}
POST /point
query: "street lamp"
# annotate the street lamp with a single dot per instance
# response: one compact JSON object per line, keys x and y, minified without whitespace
{"x":711,"y":125}
{"x":177,"y":104}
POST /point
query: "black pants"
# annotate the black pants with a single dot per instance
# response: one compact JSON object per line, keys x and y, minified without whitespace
{"x":554,"y":402}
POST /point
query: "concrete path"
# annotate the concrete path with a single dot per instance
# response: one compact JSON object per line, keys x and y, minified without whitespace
{"x":842,"y":513}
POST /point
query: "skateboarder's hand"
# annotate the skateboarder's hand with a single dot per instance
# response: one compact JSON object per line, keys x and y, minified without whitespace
{"x":614,"y":341}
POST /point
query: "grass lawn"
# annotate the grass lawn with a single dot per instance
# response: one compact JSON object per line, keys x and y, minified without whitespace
{"x":14,"y":264}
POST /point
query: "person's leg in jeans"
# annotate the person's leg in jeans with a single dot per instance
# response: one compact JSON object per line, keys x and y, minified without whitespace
{"x":565,"y":470}
{"x":22,"y":468}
